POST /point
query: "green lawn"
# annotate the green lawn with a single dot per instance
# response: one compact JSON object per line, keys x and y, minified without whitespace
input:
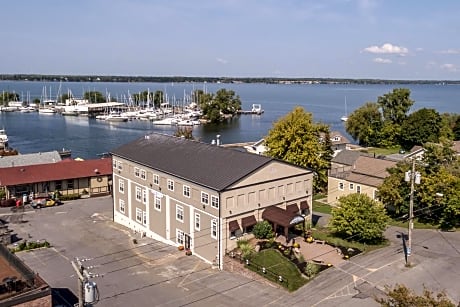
{"x":381,"y":151}
{"x":276,"y":263}
{"x":417,"y":224}
{"x":321,"y":207}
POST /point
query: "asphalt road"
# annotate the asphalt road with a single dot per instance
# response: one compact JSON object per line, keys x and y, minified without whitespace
{"x":151,"y":273}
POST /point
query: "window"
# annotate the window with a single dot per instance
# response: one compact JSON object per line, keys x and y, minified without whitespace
{"x":341,"y":186}
{"x":144,"y":217}
{"x":204,"y":198}
{"x":139,"y":215}
{"x":351,"y":187}
{"x":170,"y":185}
{"x":138,"y":194}
{"x":121,"y":186}
{"x":114,"y":163}
{"x":180,"y":236}
{"x":143,"y":174}
{"x":156,"y":179}
{"x":58,"y":184}
{"x":120,"y":165}
{"x":144,"y":196}
{"x":69,"y":184}
{"x":186,"y":190}
{"x":158,"y":203}
{"x":179,"y":213}
{"x":136,"y":172}
{"x":358,"y":189}
{"x":197,"y":221}
{"x":122,"y":205}
{"x":214,"y":201}
{"x":214,"y":229}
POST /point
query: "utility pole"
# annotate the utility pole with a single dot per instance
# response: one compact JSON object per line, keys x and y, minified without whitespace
{"x":414,"y":178}
{"x":79,"y":269}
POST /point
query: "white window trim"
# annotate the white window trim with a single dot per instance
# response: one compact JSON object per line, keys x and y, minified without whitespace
{"x":179,"y":208}
{"x":180,"y":237}
{"x":358,"y":189}
{"x":170,"y":185}
{"x":203,"y":198}
{"x":214,"y":226}
{"x":137,"y":172}
{"x":139,"y":215}
{"x":119,"y":165}
{"x":121,"y":186}
{"x":197,"y":218}
{"x":157,"y":203}
{"x":143,"y":174}
{"x":351,"y":186}
{"x":341,"y":184}
{"x":114,"y":164}
{"x":139,"y":194}
{"x":214,"y":201}
{"x":121,"y":206}
{"x":156,"y":179}
{"x":144,"y":196}
{"x":185,"y":189}
{"x":144,"y":217}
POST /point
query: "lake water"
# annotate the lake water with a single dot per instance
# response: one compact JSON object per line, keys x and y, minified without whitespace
{"x":34,"y":132}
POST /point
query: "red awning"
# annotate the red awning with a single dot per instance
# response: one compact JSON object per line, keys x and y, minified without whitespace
{"x":304,"y":205}
{"x":292,"y":208}
{"x":233,"y":225}
{"x":248,"y":221}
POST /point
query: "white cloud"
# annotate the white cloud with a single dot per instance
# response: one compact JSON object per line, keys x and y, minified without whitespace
{"x":450,"y":51}
{"x":222,"y":61}
{"x":387,"y":49}
{"x":449,"y":67}
{"x":382,"y":61}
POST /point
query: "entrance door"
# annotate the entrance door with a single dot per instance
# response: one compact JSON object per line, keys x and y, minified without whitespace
{"x":188,"y":242}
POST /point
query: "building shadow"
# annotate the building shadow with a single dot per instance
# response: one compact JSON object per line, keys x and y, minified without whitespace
{"x":64,"y":297}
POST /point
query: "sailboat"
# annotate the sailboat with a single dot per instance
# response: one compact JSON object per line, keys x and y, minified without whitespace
{"x":344,"y":118}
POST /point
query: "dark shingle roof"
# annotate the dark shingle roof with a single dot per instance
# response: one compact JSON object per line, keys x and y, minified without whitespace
{"x":208,"y":165}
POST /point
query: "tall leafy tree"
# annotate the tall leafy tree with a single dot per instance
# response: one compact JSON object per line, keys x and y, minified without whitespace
{"x":365,"y":124}
{"x":214,"y":107}
{"x":297,"y":139}
{"x":158,"y":99}
{"x":359,"y":218}
{"x":456,"y":129}
{"x":421,"y":126}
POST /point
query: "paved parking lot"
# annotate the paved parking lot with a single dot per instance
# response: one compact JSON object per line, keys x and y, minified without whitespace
{"x":151,"y":273}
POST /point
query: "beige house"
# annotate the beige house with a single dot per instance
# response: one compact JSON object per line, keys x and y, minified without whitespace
{"x":203,"y":196}
{"x":354,"y":173}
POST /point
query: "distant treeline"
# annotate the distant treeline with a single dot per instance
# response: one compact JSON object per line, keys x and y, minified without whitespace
{"x":270,"y":80}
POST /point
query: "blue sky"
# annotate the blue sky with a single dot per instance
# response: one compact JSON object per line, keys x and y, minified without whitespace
{"x":387,"y":39}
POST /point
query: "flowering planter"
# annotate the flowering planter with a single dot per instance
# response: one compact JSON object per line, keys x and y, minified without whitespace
{"x":188,"y":253}
{"x":180,"y":247}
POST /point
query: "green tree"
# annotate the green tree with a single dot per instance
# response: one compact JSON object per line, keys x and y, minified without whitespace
{"x":401,"y":296}
{"x":7,"y":97}
{"x":94,"y":97}
{"x":364,"y":124}
{"x":158,"y":99}
{"x":263,"y":230}
{"x":214,"y":107}
{"x":359,"y":217}
{"x":456,"y":129}
{"x":424,"y":125}
{"x":297,"y":139}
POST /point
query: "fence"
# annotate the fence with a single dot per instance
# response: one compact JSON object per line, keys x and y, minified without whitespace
{"x":259,"y":269}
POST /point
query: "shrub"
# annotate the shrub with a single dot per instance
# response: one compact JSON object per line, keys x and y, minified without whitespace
{"x":263,"y":230}
{"x":241,"y":242}
{"x":311,"y":269}
{"x":246,"y":250}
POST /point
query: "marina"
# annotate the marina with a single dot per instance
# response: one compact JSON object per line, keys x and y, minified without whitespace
{"x":88,"y":137}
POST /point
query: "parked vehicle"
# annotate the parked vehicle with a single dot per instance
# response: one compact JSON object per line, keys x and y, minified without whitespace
{"x":47,"y":201}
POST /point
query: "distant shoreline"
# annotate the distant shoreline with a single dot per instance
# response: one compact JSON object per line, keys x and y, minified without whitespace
{"x":229,"y":80}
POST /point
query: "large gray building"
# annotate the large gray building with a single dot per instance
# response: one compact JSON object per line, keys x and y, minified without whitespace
{"x":203,"y":196}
